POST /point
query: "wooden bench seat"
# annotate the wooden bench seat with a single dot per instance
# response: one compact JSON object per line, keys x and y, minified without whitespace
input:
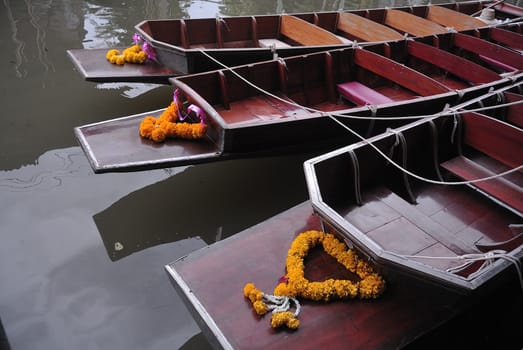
{"x":364,"y":29}
{"x":361,"y":94}
{"x":515,"y":112}
{"x":503,"y":190}
{"x":412,"y":24}
{"x":507,"y":37}
{"x":452,"y":19}
{"x":307,"y":34}
{"x":486,"y":50}
{"x":453,"y":64}
{"x":503,"y":144}
{"x":497,"y":64}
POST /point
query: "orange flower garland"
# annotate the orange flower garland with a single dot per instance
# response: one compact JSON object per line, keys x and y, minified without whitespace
{"x":370,"y":285}
{"x":166,"y":126}
{"x":132,"y":54}
{"x":137,"y":53}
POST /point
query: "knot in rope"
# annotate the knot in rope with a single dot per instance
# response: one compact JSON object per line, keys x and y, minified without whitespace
{"x":279,"y":305}
{"x":488,"y":258}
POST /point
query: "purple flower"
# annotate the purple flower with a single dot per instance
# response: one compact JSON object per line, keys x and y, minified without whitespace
{"x":198,"y":111}
{"x":149,"y":51}
{"x":192,"y":108}
{"x":137,"y":38}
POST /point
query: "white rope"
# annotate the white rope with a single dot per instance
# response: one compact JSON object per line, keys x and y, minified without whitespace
{"x":447,"y":111}
{"x":312,"y":110}
{"x":278,"y":303}
{"x":421,"y":178}
{"x":488,"y":258}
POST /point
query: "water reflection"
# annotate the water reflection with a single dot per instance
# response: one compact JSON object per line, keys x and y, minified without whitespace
{"x":212,"y":201}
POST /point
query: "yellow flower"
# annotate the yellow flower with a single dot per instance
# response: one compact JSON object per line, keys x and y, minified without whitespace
{"x":282,"y":289}
{"x":158,"y":129}
{"x":285,"y":318}
{"x":370,"y":284}
{"x":132,"y":54}
{"x":111,"y":53}
{"x":260,"y":307}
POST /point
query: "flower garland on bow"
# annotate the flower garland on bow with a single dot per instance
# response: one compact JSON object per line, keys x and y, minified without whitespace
{"x":140,"y":52}
{"x":294,"y":284}
{"x":170,"y":123}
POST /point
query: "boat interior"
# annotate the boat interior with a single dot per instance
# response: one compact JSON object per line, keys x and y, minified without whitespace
{"x":310,"y":29}
{"x":337,"y":80}
{"x":370,"y":197}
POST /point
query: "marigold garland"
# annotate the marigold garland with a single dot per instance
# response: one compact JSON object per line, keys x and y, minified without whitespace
{"x":132,"y":54}
{"x":166,"y":126}
{"x":137,"y":53}
{"x":295,"y":285}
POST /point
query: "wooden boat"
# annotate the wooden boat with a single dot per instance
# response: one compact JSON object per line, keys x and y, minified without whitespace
{"x":299,"y":96}
{"x":245,"y":39}
{"x":437,"y":232}
{"x":411,"y":314}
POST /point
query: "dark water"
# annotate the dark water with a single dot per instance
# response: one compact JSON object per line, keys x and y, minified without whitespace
{"x":82,"y":255}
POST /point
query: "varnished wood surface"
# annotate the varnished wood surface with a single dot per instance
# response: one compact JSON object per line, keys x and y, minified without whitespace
{"x":515,"y":113}
{"x":507,"y":37}
{"x":452,"y":19}
{"x":305,"y":33}
{"x":116,"y":144}
{"x":213,"y":278}
{"x":94,"y":67}
{"x":411,"y":24}
{"x":489,"y":50}
{"x":363,"y":29}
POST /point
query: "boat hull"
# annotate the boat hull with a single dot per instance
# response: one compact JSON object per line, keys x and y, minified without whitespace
{"x":421,"y":228}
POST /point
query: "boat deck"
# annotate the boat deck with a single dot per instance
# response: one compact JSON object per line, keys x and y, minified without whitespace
{"x":93,"y":66}
{"x":410,"y":312}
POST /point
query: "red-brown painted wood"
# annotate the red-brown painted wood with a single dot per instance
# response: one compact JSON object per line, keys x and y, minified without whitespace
{"x":409,"y":310}
{"x":487,"y":49}
{"x":498,"y":140}
{"x":515,"y":112}
{"x":500,"y":188}
{"x":452,"y":19}
{"x":507,"y":37}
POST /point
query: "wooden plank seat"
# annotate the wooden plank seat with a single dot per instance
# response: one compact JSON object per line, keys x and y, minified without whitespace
{"x":398,"y":73}
{"x":499,"y":56}
{"x":498,"y":64}
{"x":361,"y":94}
{"x":475,"y":73}
{"x":452,"y":19}
{"x":499,"y":141}
{"x":305,"y":33}
{"x":500,"y":188}
{"x":515,"y":112}
{"x":364,"y":29}
{"x":411,"y":24}
{"x":507,"y":37}
{"x":507,"y":245}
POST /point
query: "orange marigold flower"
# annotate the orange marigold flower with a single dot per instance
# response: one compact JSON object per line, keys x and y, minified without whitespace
{"x":285,"y":318}
{"x":260,"y":307}
{"x":158,"y":134}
